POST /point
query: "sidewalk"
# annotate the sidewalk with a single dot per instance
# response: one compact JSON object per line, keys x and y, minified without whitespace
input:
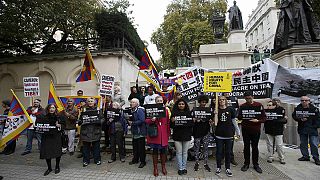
{"x":30,"y":166}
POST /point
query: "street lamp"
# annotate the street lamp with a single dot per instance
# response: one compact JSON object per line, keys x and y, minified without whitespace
{"x":218,"y":19}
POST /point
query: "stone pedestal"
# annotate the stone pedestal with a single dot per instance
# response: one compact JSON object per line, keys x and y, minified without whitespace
{"x":237,"y":36}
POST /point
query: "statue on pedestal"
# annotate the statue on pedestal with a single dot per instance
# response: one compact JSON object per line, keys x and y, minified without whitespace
{"x":297,"y":25}
{"x":235,"y":18}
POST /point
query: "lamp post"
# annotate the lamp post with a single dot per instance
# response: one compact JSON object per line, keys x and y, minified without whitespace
{"x":218,"y":19}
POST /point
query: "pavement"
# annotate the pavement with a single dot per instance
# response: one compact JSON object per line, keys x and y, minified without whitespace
{"x":30,"y":166}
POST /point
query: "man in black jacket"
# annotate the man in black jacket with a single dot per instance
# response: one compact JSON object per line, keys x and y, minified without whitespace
{"x":273,"y":127}
{"x":307,"y":116}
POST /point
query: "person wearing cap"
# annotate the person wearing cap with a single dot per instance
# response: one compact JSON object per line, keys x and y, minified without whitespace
{"x":11,"y":146}
{"x":252,"y":115}
{"x":79,"y":92}
{"x":273,"y":128}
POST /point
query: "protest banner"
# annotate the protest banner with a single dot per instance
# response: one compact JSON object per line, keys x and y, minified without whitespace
{"x":106,"y":85}
{"x":113,"y":114}
{"x":79,"y":99}
{"x":183,"y":119}
{"x":155,"y":110}
{"x":90,"y":117}
{"x":31,"y":86}
{"x":45,"y":128}
{"x":202,"y":113}
{"x":217,"y":82}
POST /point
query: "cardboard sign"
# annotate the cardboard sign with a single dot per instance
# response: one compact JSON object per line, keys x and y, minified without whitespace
{"x":90,"y":117}
{"x":106,"y":85}
{"x":31,"y":86}
{"x":217,"y":81}
{"x":44,"y":128}
{"x":183,"y":119}
{"x":155,"y":110}
{"x":203,"y":113}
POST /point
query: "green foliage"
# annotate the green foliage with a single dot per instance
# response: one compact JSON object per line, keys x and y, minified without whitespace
{"x":186,"y":26}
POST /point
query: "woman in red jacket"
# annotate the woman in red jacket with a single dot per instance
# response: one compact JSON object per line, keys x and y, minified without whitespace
{"x":159,"y":142}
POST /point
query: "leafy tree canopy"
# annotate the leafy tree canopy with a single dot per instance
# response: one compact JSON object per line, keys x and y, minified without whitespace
{"x":187,"y":25}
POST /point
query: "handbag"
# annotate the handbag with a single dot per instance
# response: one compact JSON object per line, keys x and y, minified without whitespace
{"x":152,"y":130}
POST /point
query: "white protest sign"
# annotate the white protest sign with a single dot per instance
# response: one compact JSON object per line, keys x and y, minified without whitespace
{"x":31,"y":86}
{"x":106,"y":85}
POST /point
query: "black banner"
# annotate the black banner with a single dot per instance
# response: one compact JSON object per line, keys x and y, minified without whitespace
{"x":155,"y":110}
{"x":113,"y":114}
{"x":183,"y":119}
{"x":203,"y":113}
{"x":249,"y":113}
{"x":45,"y":128}
{"x":273,"y":115}
{"x":90,"y":117}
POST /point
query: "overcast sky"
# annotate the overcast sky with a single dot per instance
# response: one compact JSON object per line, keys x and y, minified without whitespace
{"x":148,"y":15}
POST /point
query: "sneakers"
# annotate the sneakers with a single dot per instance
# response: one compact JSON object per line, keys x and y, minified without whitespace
{"x":258,"y":169}
{"x":270,"y":160}
{"x":206,"y":167}
{"x":123,"y":160}
{"x":98,"y":163}
{"x":25,"y":153}
{"x":141,"y":165}
{"x":244,"y":168}
{"x":282,"y":161}
{"x":196,"y":167}
{"x":228,"y":173}
{"x":218,"y":171}
{"x":85,"y":164}
{"x":233,"y":162}
{"x":180,"y":172}
{"x":317,"y":162}
{"x":303,"y":159}
{"x":111,"y":161}
{"x":184,"y":172}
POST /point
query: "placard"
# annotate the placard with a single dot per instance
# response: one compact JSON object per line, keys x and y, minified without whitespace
{"x":90,"y":117}
{"x":127,"y":112}
{"x":31,"y":86}
{"x":272,"y":114}
{"x":155,"y":110}
{"x":251,"y":113}
{"x":217,"y":82}
{"x":2,"y":122}
{"x":44,"y":128}
{"x":113,"y":114}
{"x":203,"y":113}
{"x":106,"y":85}
{"x":183,"y":119}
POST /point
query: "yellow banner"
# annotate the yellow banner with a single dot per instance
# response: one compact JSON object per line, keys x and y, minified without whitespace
{"x":217,"y":82}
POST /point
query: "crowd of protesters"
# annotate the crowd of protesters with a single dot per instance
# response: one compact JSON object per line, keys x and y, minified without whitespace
{"x":114,"y":121}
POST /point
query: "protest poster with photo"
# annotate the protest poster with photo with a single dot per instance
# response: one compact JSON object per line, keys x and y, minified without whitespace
{"x":106,"y":85}
{"x":183,"y":119}
{"x":113,"y":114}
{"x":45,"y":128}
{"x":90,"y":117}
{"x":2,"y":122}
{"x":155,"y":110}
{"x":203,"y":113}
{"x":31,"y":86}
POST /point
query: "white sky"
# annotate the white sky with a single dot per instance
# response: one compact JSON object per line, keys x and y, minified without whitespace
{"x":148,"y":15}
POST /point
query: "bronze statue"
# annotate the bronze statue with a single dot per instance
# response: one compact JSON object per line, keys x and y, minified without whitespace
{"x":235,"y":18}
{"x":297,"y":25}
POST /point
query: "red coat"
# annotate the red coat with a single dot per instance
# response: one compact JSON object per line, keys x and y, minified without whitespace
{"x":163,"y":130}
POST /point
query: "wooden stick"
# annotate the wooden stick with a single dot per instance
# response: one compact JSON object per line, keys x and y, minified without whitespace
{"x":216,"y":110}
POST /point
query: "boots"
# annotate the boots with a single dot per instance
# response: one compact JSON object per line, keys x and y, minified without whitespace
{"x":163,"y":163}
{"x":155,"y":164}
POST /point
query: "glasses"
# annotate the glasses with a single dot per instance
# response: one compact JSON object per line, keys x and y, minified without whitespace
{"x":269,"y":105}
{"x":302,"y":100}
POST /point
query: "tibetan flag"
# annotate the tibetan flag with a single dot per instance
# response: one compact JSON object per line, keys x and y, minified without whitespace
{"x":148,"y":70}
{"x":17,"y":120}
{"x":168,"y":95}
{"x":53,"y":98}
{"x":88,"y":70}
{"x":79,"y":99}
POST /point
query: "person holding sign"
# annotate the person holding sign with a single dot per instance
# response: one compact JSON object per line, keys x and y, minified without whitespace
{"x":51,"y":145}
{"x":273,"y":127}
{"x":159,"y":141}
{"x":201,"y":130}
{"x":151,"y":97}
{"x":307,"y":116}
{"x":225,"y":129}
{"x":11,"y":146}
{"x":90,"y":120}
{"x":252,"y":115}
{"x":139,"y":131}
{"x":118,"y":130}
{"x":182,"y":123}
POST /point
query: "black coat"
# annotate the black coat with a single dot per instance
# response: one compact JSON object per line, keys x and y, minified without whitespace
{"x":275,"y":121}
{"x":91,"y":132}
{"x":311,"y":124}
{"x":51,"y":144}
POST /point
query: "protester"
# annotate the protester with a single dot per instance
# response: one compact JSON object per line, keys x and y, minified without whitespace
{"x":201,"y":133}
{"x":11,"y":145}
{"x":117,"y":97}
{"x":177,"y":95}
{"x":51,"y":145}
{"x":118,"y":130}
{"x":273,"y":127}
{"x":138,"y":130}
{"x":80,"y":92}
{"x":36,"y":113}
{"x":307,"y":116}
{"x":90,"y":132}
{"x":181,"y":134}
{"x":105,"y":126}
{"x":225,"y":129}
{"x":135,"y":94}
{"x":143,"y":92}
{"x":159,"y":143}
{"x":252,"y":115}
{"x":151,"y":97}
{"x":81,"y":106}
{"x":71,"y":115}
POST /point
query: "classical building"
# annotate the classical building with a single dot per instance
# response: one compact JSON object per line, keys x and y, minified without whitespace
{"x":63,"y":70}
{"x":262,"y":25}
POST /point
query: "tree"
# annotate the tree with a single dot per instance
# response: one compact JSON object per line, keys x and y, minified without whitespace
{"x":186,"y":26}
{"x":24,"y":23}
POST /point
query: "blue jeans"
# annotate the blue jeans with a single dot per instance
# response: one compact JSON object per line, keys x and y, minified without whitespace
{"x":182,"y":153}
{"x":224,"y":148}
{"x":30,"y":135}
{"x":313,"y":141}
{"x":96,"y":151}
